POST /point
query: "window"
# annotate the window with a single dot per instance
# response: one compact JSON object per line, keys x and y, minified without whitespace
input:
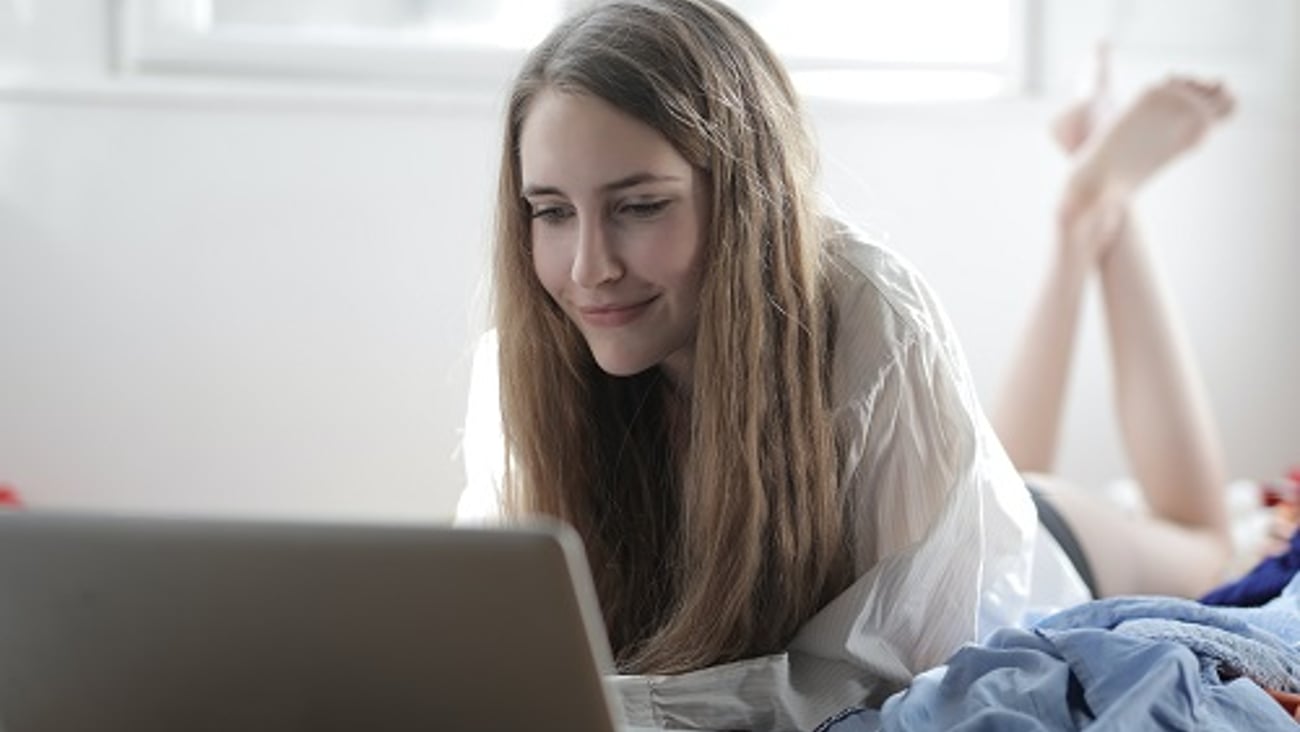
{"x":461,"y":43}
{"x":886,"y":50}
{"x":514,"y":24}
{"x":897,"y":50}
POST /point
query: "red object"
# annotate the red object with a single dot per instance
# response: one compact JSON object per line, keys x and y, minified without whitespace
{"x":9,"y":497}
{"x":1278,"y":492}
{"x":1283,"y":490}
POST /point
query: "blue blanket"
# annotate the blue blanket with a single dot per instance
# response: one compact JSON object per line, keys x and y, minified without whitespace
{"x":1120,"y":663}
{"x":1263,"y":582}
{"x":1227,"y":642}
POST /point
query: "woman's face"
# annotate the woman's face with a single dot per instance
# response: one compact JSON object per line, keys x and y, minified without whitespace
{"x":617,"y":221}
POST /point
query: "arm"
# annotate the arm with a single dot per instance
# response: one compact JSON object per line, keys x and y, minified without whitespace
{"x":943,"y":525}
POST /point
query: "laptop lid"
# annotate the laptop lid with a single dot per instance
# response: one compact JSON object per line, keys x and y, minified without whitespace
{"x":113,"y":624}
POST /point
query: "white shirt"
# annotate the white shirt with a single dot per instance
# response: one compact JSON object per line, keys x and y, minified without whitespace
{"x":947,"y":543}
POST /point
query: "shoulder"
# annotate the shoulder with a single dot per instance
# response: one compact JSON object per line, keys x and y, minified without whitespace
{"x":884,"y":311}
{"x":868,"y":279}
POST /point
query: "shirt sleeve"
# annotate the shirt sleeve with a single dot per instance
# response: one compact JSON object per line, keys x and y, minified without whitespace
{"x":482,"y":441}
{"x":942,"y":523}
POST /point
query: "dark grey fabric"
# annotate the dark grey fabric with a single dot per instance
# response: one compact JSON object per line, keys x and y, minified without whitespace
{"x":1054,"y":522}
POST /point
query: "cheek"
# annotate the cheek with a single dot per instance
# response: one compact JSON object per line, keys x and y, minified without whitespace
{"x":677,"y":253}
{"x":550,"y":263}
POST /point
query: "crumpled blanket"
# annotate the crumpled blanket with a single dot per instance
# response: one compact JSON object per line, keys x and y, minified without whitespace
{"x":1228,"y":642}
{"x":1115,"y":664}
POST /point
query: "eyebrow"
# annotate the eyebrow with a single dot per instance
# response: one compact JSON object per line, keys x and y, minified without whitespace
{"x":635,"y":179}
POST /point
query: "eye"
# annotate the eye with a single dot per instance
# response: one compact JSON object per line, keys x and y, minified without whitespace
{"x":645,"y":209}
{"x":550,"y":213}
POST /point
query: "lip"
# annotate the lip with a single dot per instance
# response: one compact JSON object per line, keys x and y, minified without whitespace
{"x":614,"y":315}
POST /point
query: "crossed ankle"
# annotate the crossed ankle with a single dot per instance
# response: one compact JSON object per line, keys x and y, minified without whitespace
{"x":1089,"y":227}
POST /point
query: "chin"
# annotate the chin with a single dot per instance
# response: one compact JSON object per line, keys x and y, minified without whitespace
{"x":619,"y":364}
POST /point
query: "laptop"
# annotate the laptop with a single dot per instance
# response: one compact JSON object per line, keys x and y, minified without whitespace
{"x":111,"y":623}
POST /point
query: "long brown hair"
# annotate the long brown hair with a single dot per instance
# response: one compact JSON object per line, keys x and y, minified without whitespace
{"x":720,"y":545}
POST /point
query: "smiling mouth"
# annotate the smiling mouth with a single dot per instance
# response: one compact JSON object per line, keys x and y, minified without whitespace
{"x":607,"y":316}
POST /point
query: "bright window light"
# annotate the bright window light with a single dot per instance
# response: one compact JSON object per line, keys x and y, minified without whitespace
{"x":896,"y":50}
{"x":860,"y":50}
{"x":503,"y":23}
{"x":887,"y":31}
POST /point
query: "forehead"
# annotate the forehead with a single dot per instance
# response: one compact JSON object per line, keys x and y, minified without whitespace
{"x":582,"y":141}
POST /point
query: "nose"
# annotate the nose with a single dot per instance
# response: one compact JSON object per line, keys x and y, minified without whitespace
{"x":595,"y":262}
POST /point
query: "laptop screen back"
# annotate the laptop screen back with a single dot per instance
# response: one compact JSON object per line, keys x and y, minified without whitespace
{"x":139,"y":624}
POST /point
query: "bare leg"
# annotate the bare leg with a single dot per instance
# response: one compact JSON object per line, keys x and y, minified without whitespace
{"x":1027,"y":414}
{"x":1171,"y":439}
{"x":1183,"y":545}
{"x":1168,"y":434}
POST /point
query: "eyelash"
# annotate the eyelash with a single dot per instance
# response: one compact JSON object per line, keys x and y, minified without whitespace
{"x":558,"y":214}
{"x":647,"y":209}
{"x":551,"y":214}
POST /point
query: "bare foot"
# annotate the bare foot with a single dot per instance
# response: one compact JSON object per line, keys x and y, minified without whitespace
{"x":1077,"y":122}
{"x":1165,"y":121}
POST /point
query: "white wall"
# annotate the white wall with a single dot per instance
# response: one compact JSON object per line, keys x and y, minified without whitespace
{"x":225,"y":298}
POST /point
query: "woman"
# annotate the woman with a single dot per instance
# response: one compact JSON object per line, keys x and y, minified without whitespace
{"x":762,"y":427}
